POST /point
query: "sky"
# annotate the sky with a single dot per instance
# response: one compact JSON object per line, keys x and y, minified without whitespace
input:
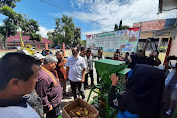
{"x":92,"y":16}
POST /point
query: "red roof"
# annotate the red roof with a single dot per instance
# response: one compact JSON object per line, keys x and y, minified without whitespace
{"x":16,"y":38}
{"x":150,"y":25}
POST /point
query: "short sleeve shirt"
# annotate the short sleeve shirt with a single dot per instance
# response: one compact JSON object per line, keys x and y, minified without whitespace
{"x":76,"y":66}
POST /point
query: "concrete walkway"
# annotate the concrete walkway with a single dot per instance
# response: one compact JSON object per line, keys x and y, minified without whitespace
{"x":68,"y":99}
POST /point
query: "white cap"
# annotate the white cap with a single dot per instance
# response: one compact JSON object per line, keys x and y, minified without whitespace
{"x":173,"y":65}
{"x":38,"y":56}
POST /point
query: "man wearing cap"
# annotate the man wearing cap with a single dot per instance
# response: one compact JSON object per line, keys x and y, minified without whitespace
{"x":48,"y":87}
{"x":39,"y":57}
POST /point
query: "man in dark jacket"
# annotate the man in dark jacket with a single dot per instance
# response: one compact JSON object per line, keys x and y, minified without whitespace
{"x":48,"y":87}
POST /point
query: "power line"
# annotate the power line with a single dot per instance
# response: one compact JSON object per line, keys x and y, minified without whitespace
{"x":70,"y":12}
{"x":66,"y":10}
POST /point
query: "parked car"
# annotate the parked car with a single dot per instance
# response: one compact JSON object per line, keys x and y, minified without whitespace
{"x":61,"y":47}
{"x":57,"y":47}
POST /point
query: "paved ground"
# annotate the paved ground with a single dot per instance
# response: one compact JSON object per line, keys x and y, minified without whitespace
{"x":68,"y":99}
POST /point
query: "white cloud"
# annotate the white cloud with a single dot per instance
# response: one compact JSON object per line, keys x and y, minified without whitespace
{"x":56,"y":14}
{"x":72,"y":4}
{"x":108,"y":12}
{"x":43,"y":31}
{"x":92,"y":32}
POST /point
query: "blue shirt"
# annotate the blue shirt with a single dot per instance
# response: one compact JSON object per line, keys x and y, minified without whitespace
{"x":126,"y":114}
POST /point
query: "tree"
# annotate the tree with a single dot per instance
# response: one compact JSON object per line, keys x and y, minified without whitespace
{"x":125,"y":27}
{"x":65,"y":31}
{"x":15,"y":21}
{"x":83,"y":42}
{"x":54,"y":38}
{"x":120,"y":25}
{"x":77,"y":36}
{"x":10,"y":24}
{"x":30,"y":27}
{"x":116,"y":27}
{"x":68,"y":29}
{"x":10,"y":3}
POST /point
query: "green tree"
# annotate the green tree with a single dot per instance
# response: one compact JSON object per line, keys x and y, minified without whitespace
{"x":82,"y":42}
{"x":15,"y":21}
{"x":30,"y":27}
{"x":68,"y":29}
{"x":10,"y":24}
{"x":77,"y":36}
{"x":125,"y":27}
{"x":10,"y":3}
{"x":54,"y":38}
{"x":50,"y":35}
{"x":65,"y":31}
{"x":120,"y":25}
{"x":116,"y":27}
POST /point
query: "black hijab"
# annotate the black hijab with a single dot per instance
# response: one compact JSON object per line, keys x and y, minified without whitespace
{"x":145,"y":97}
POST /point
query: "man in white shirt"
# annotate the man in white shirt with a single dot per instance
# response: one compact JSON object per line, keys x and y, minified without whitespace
{"x":18,"y":74}
{"x":75,"y":71}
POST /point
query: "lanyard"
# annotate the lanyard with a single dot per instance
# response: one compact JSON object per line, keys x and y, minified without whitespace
{"x":51,"y":76}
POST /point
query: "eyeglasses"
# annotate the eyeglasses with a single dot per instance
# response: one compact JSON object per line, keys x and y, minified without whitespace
{"x":74,"y":50}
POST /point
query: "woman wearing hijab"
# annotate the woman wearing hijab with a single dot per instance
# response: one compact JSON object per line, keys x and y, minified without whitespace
{"x":144,"y":99}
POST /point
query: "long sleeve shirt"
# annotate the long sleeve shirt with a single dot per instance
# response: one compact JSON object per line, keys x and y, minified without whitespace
{"x":49,"y":89}
{"x":61,"y":69}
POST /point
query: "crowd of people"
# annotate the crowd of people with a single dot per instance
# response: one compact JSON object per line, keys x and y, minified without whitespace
{"x":151,"y":87}
{"x":44,"y":76}
{"x":42,"y":79}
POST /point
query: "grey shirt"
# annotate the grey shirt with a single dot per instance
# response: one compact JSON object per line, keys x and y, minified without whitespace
{"x":90,"y":62}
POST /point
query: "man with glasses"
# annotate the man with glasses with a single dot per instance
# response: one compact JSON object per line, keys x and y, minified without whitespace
{"x":48,"y":87}
{"x":75,"y":71}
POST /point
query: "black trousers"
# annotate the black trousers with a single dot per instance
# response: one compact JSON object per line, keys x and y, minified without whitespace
{"x":86,"y":78}
{"x":79,"y":86}
{"x":54,"y":113}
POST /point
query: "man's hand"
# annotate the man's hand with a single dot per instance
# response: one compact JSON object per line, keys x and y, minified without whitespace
{"x":114,"y":79}
{"x":51,"y":108}
{"x":67,"y":72}
{"x":82,"y":80}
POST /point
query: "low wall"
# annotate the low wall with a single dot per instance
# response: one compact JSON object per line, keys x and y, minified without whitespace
{"x":3,"y":52}
{"x":68,"y":53}
{"x":111,"y":54}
